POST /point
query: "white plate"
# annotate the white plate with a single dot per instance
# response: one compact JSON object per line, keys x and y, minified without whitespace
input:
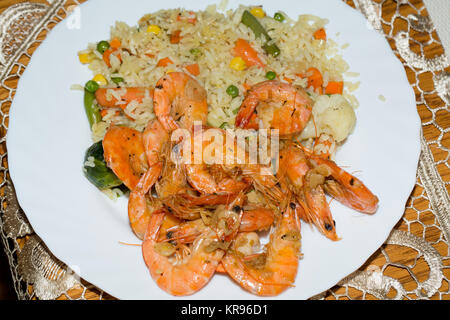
{"x":49,"y":134}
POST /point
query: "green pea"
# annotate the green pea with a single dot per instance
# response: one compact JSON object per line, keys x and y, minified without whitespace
{"x":278,"y":17}
{"x":195,"y":52}
{"x":117,"y":80}
{"x":233,"y":91}
{"x":102,"y":46}
{"x":271,"y":75}
{"x":91,"y":86}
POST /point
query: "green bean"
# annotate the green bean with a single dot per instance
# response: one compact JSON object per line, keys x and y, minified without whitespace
{"x":250,"y":21}
{"x":117,"y":80}
{"x":92,"y":111}
{"x":195,"y":52}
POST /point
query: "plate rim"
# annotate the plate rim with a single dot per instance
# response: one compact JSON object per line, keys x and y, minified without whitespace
{"x":386,"y":233}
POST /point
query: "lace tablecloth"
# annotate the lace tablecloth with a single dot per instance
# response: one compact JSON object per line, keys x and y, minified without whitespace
{"x":414,"y":263}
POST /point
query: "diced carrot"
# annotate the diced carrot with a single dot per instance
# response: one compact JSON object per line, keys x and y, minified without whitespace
{"x":164,"y":62}
{"x":335,"y":87}
{"x":175,"y":37}
{"x":150,"y":55}
{"x":108,"y":53}
{"x":289,"y":80}
{"x":320,"y":34}
{"x":315,"y":79}
{"x":104,"y":112}
{"x":191,"y":18}
{"x":244,"y":50}
{"x":137,"y":93}
{"x":115,"y":43}
{"x":193,"y":69}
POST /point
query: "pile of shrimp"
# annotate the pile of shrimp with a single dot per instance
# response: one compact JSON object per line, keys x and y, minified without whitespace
{"x":198,"y":219}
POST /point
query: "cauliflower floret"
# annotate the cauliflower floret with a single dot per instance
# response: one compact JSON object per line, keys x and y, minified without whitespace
{"x":333,"y":115}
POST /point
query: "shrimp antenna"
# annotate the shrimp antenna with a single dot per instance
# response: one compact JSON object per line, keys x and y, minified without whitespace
{"x":131,"y":244}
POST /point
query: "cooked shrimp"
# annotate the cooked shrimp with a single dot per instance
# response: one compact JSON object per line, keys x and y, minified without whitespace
{"x":170,"y":221}
{"x":172,"y":181}
{"x":179,"y":100}
{"x":317,"y":210}
{"x":208,"y":199}
{"x":211,"y":179}
{"x":278,"y":105}
{"x":188,"y":275}
{"x":218,"y":177}
{"x":191,"y":207}
{"x":125,"y":154}
{"x":202,"y":180}
{"x":273,"y":271}
{"x":173,"y":177}
{"x":346,"y":188}
{"x":257,"y":219}
{"x":154,"y":139}
{"x":139,"y":205}
{"x":182,"y":209}
{"x":305,"y":184}
{"x":127,"y":95}
{"x":185,"y":232}
{"x":226,"y":220}
{"x":293,"y":165}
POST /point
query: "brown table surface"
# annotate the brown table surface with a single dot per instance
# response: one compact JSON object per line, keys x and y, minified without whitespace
{"x":421,"y":227}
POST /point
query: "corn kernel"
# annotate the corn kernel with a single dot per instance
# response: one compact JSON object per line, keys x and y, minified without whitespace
{"x":170,"y":71}
{"x":100,"y":79}
{"x":153,"y":29}
{"x":238,"y":64}
{"x":258,"y":12}
{"x":84,"y":58}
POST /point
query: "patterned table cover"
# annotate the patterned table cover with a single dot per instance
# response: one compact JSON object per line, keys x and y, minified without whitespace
{"x":414,"y":263}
